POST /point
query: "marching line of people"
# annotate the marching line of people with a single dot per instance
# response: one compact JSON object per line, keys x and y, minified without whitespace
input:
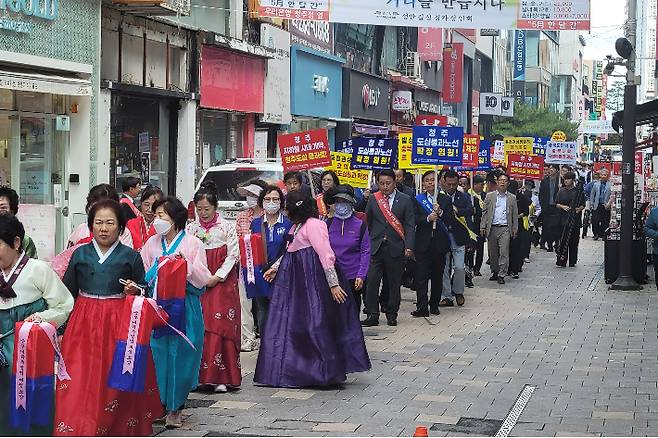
{"x":293,"y":270}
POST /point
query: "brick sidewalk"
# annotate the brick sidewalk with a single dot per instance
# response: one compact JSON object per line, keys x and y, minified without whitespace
{"x":591,"y":353}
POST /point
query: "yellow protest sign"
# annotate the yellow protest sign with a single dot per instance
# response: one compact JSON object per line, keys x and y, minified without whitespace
{"x":341,"y":164}
{"x":405,"y":142}
{"x":559,"y":136}
{"x":518,"y":145}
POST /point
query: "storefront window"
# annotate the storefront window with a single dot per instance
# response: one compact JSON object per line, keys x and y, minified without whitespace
{"x":139,"y":141}
{"x":220,"y":136}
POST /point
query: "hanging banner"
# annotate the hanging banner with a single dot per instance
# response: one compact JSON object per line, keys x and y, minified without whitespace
{"x":374,"y":153}
{"x":430,"y":43}
{"x":341,"y":164}
{"x":525,"y":166}
{"x":519,"y":56}
{"x":539,"y":146}
{"x":431,"y":120}
{"x":438,"y":146}
{"x":561,"y":152}
{"x":453,"y":72}
{"x":465,"y":14}
{"x":304,"y":150}
{"x":518,"y":145}
{"x":471,"y":151}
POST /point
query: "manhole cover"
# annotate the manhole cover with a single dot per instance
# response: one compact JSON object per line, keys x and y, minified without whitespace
{"x":475,"y":426}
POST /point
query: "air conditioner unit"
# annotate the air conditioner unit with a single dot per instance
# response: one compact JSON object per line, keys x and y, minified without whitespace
{"x":412,"y":65}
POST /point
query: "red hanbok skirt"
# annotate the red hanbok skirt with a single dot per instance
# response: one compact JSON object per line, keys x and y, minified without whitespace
{"x":85,"y":405}
{"x":220,"y":363}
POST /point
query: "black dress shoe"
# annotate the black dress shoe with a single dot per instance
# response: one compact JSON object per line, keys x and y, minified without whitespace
{"x":392,"y":321}
{"x":494,"y":277}
{"x":515,"y":276}
{"x":420,"y":313}
{"x":370,"y":321}
{"x":459,"y":298}
{"x":446,"y":303}
{"x":435,"y":311}
{"x":501,"y":280}
{"x":572,"y":266}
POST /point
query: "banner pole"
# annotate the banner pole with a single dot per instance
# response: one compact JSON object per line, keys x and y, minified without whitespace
{"x":436,"y":190}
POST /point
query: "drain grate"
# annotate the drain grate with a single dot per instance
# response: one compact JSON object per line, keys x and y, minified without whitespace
{"x":471,"y":426}
{"x":516,"y":411}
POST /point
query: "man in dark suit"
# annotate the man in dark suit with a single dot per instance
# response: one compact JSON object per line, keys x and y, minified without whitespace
{"x":391,"y":219}
{"x":454,"y":275}
{"x":548,"y":189}
{"x":432,"y":244}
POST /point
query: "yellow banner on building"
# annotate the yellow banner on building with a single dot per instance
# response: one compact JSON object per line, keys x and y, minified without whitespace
{"x":341,"y":164}
{"x":518,"y":145}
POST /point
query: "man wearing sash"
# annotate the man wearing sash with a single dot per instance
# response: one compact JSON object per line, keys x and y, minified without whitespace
{"x":390,"y":217}
{"x":432,"y":244}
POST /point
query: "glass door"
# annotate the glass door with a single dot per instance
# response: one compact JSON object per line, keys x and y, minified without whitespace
{"x":8,"y":155}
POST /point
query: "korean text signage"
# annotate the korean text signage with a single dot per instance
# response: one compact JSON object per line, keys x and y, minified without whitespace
{"x":316,"y":35}
{"x":471,"y":151}
{"x":561,"y":152}
{"x":484,"y":155}
{"x":276,"y":106}
{"x":341,"y":164}
{"x":14,"y":11}
{"x":405,"y":145}
{"x":596,"y":127}
{"x":539,"y":146}
{"x":525,"y":166}
{"x":453,"y":71}
{"x":427,"y":101}
{"x":366,"y":96}
{"x":519,"y":56}
{"x":518,"y":145}
{"x":495,"y":14}
{"x":402,"y":101}
{"x":430,"y":44}
{"x":431,"y":120}
{"x":498,"y":154}
{"x":374,"y":153}
{"x":437,"y":146}
{"x":304,"y":150}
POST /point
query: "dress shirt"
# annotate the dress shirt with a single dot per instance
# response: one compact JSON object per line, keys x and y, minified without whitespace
{"x":602,"y":187}
{"x":391,"y":199}
{"x":500,"y":214}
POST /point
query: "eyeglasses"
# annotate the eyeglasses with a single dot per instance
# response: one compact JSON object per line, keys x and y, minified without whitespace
{"x":272,"y":199}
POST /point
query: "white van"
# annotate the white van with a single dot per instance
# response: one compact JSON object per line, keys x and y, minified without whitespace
{"x":228,"y":177}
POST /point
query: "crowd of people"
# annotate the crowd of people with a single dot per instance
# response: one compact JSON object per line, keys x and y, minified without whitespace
{"x":289,"y":277}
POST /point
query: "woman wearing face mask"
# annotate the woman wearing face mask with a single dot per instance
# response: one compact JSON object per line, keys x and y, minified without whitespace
{"x":177,"y":363}
{"x":29,"y":291}
{"x":220,"y":363}
{"x":328,"y":180}
{"x":349,"y":239}
{"x":141,"y":227}
{"x":251,"y":193}
{"x":85,"y":405}
{"x":274,"y":227}
{"x":313,"y":335}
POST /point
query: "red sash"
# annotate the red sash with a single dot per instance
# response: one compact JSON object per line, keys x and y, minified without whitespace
{"x":322,"y":207}
{"x":130,"y":204}
{"x":393,"y":221}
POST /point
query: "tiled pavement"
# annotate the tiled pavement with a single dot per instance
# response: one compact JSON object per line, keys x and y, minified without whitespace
{"x":591,"y":353}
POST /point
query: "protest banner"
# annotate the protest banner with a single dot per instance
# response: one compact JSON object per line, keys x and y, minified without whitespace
{"x":431,"y":120}
{"x":304,"y":150}
{"x":498,"y":153}
{"x":374,"y":153}
{"x":438,"y":145}
{"x":341,"y":164}
{"x":561,"y":152}
{"x":404,"y":154}
{"x":484,"y":155}
{"x":518,"y":145}
{"x":471,"y":151}
{"x":539,"y":146}
{"x":522,"y":166}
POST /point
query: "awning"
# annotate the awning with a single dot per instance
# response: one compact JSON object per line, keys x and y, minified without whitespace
{"x":45,"y":83}
{"x":645,"y":114}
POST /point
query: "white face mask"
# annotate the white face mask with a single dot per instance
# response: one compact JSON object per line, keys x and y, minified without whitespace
{"x":252,"y":202}
{"x":272,"y":207}
{"x":162,"y":226}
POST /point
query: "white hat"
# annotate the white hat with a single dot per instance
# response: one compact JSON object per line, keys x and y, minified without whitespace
{"x":250,"y":190}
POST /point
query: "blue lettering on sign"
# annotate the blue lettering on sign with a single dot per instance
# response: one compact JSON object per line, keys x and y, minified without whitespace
{"x":44,"y":9}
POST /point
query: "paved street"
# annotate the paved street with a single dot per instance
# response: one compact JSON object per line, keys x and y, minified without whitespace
{"x":590,"y":353}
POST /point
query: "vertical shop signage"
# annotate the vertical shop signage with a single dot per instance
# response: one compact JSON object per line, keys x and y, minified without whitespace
{"x":518,"y":77}
{"x":430,"y":43}
{"x":276,"y":99}
{"x":453,"y":72}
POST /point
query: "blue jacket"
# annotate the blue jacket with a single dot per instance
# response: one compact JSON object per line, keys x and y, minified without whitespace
{"x":651,"y":228}
{"x":595,"y":193}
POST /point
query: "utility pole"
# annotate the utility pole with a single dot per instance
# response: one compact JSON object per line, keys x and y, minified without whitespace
{"x":625,"y":281}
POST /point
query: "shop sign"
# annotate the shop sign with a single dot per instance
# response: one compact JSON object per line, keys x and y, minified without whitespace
{"x":561,"y":152}
{"x":321,"y":84}
{"x":304,"y":150}
{"x":471,"y":151}
{"x":519,"y":55}
{"x":367,"y":96}
{"x":490,"y":104}
{"x":438,"y":146}
{"x":42,"y":9}
{"x":316,"y":35}
{"x":525,"y":166}
{"x":374,"y":153}
{"x":402,"y":101}
{"x":427,"y":107}
{"x":316,"y":82}
{"x":276,"y":99}
{"x":430,"y":43}
{"x":232,"y":81}
{"x":27,"y":82}
{"x":464,"y":14}
{"x":341,"y":164}
{"x":507,"y":107}
{"x":431,"y":120}
{"x":596,"y":127}
{"x":490,"y":32}
{"x":453,"y":72}
{"x":518,"y":145}
{"x":295,"y":9}
{"x":427,"y":101}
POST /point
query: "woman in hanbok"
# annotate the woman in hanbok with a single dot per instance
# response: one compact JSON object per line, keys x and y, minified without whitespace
{"x":328,"y":181}
{"x":86,"y":405}
{"x":176,"y":362}
{"x":313,"y":335}
{"x":273,"y":227}
{"x":220,"y":363}
{"x":141,"y":228}
{"x":29,"y":291}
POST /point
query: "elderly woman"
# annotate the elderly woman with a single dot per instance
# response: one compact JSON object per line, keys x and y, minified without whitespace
{"x":328,"y":181}
{"x":29,"y":291}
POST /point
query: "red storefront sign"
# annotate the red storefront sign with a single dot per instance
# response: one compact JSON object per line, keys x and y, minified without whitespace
{"x":231,"y":81}
{"x":453,"y":72}
{"x":431,"y":120}
{"x":614,"y":168}
{"x":430,"y":43}
{"x":304,"y":150}
{"x":471,"y":150}
{"x":525,"y":166}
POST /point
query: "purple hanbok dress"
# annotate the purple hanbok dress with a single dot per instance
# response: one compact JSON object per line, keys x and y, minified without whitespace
{"x":311,"y":340}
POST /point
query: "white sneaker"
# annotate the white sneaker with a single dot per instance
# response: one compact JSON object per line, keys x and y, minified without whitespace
{"x":221,"y":388}
{"x":249,"y":345}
